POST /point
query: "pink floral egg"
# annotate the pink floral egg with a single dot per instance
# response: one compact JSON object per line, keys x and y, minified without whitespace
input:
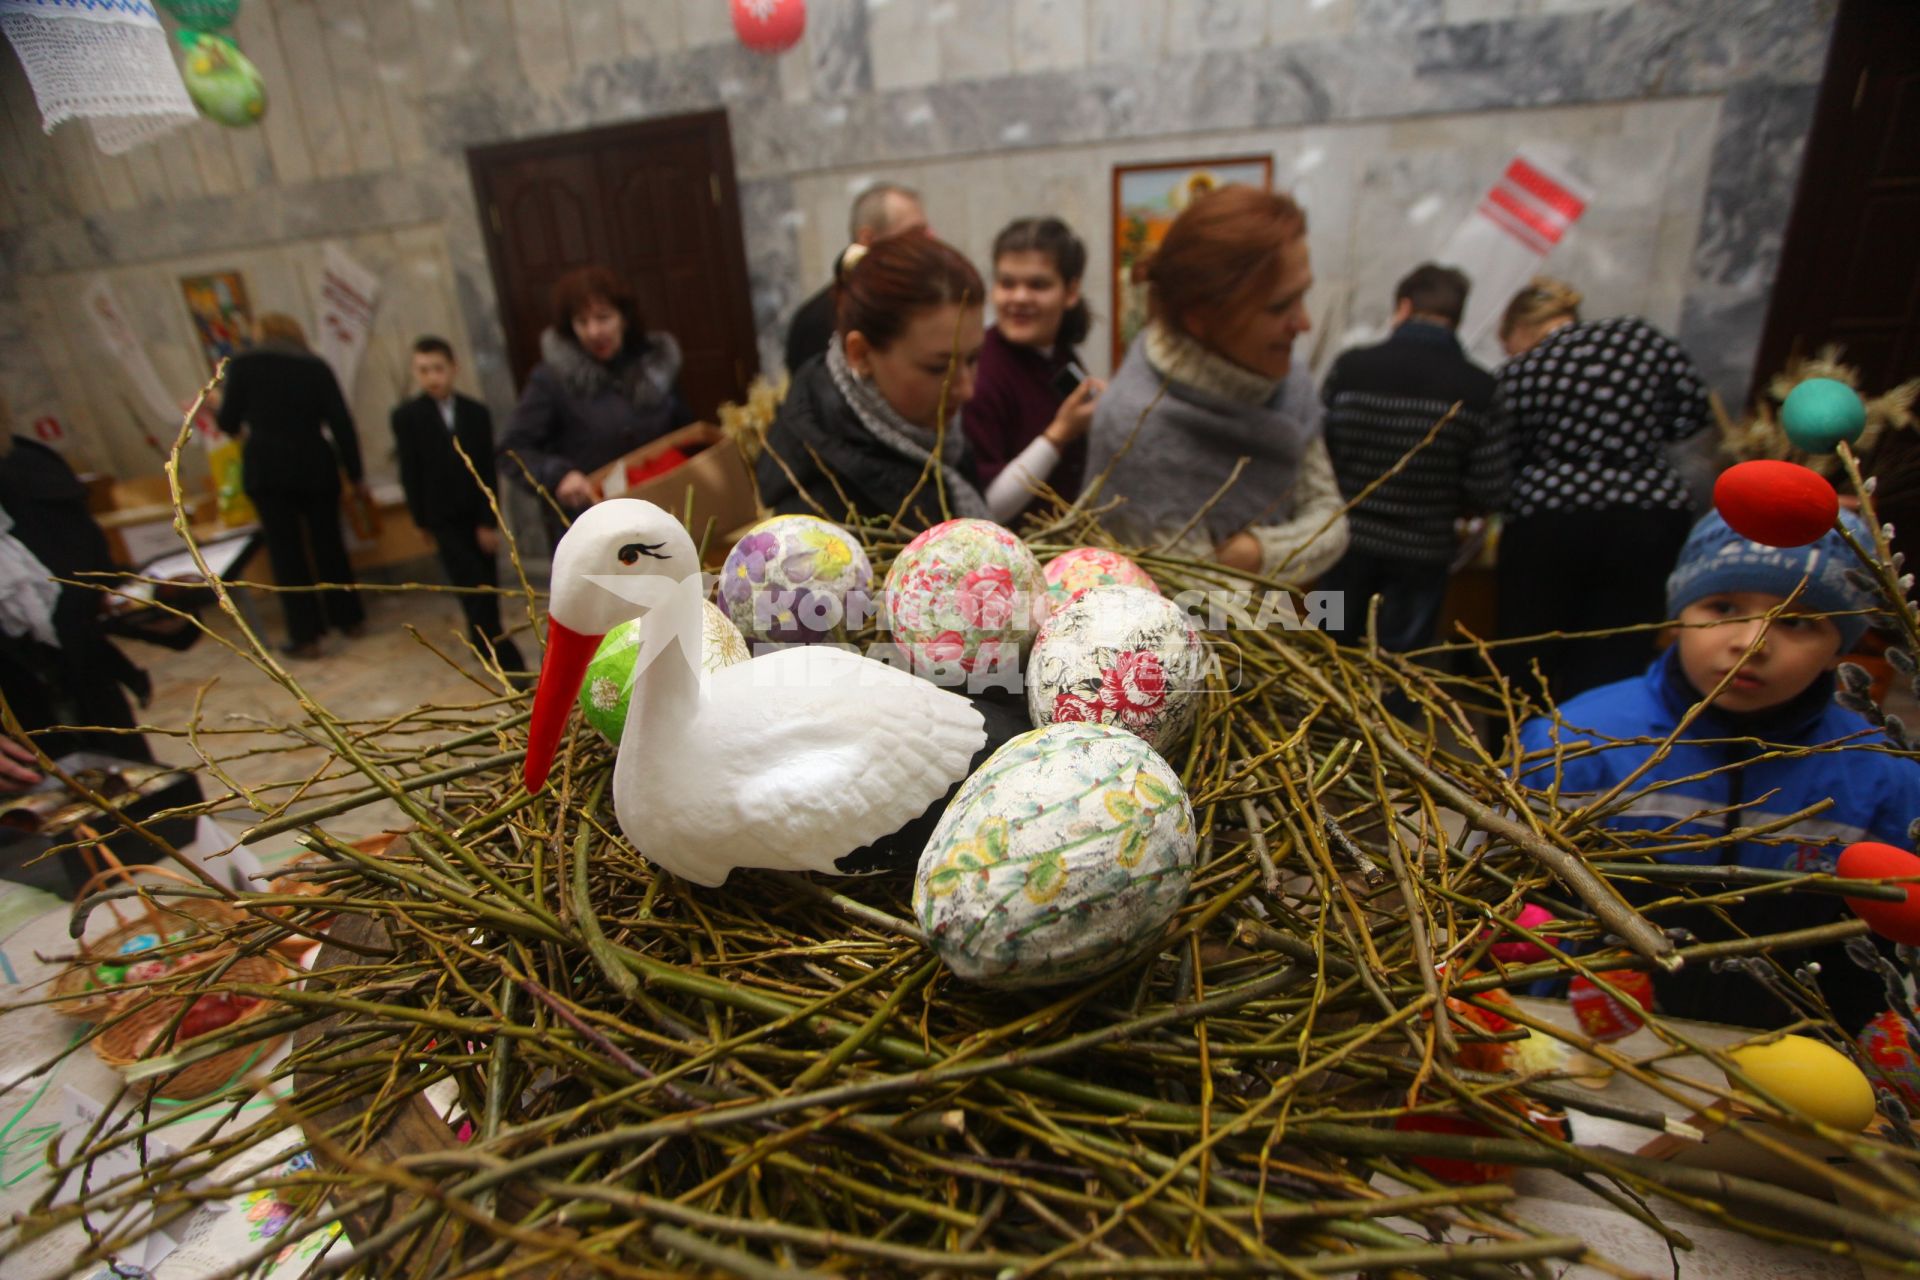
{"x":964,"y":600}
{"x":1072,"y":572}
{"x":1122,"y":656}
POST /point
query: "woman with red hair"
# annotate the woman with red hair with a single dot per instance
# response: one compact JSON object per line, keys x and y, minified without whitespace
{"x":604,"y":387}
{"x":1210,"y":434}
{"x":860,"y":434}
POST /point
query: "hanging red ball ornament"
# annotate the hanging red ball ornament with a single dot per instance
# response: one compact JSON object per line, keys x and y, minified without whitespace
{"x":769,"y":26}
{"x":1778,"y":504}
{"x":1899,"y":921}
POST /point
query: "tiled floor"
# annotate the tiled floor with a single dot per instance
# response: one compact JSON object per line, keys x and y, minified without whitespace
{"x":387,"y":672}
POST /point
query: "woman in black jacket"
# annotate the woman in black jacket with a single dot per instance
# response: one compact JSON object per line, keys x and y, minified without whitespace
{"x":283,"y":396}
{"x":604,"y":387}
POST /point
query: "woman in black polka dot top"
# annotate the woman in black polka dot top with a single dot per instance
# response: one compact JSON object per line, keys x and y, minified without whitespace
{"x":1597,"y":513}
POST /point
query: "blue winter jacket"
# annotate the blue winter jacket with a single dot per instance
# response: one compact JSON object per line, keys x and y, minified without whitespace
{"x":1875,"y":795}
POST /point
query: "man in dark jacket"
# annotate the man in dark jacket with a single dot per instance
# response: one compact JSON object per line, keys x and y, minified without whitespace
{"x":1381,"y":403}
{"x":450,"y":502}
{"x":881,"y":210}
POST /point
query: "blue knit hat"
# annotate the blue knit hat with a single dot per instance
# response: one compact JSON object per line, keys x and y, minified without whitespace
{"x":1717,"y":559}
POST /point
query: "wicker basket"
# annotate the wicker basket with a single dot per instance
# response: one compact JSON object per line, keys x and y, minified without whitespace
{"x":75,"y":991}
{"x":137,"y":1035}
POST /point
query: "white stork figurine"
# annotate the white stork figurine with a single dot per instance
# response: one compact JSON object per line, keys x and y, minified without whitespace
{"x":790,"y":760}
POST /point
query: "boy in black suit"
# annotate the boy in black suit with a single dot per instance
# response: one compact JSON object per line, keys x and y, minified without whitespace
{"x":442,"y":494}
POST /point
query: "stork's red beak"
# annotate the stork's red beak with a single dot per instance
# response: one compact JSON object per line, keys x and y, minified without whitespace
{"x":565,"y":666}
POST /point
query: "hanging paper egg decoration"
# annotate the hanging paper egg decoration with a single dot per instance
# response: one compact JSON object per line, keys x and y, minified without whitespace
{"x":1072,"y":572}
{"x":1122,"y":656}
{"x":1867,"y":860}
{"x":1777,"y":504}
{"x":608,"y":685}
{"x":797,"y":580}
{"x":1064,"y":855}
{"x":769,"y":26}
{"x":1889,"y":1042}
{"x":965,"y":596}
{"x":223,"y":83}
{"x":1821,"y":414}
{"x":1809,"y":1077}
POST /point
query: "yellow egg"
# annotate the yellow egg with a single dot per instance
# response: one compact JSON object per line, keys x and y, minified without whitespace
{"x":1814,"y":1079}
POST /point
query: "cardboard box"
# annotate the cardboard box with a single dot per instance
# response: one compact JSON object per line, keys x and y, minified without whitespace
{"x":712,"y":491}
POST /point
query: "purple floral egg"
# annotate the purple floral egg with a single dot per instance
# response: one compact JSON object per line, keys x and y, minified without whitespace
{"x":964,"y":600}
{"x":796,"y":580}
{"x":1072,"y":572}
{"x":1122,"y":656}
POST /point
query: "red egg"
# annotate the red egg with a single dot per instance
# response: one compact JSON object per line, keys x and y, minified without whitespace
{"x":1868,"y":861}
{"x":769,"y":26}
{"x":1456,"y":1169}
{"x":1779,"y":504}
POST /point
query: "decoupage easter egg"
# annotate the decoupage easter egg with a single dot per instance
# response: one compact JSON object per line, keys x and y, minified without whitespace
{"x":1122,"y":656}
{"x":1601,"y":1014}
{"x":1887,"y":1041}
{"x":223,"y":83}
{"x":965,"y":596}
{"x":1777,"y":504}
{"x":1064,"y":855}
{"x":1519,"y":950}
{"x":796,"y":580}
{"x":609,"y":681}
{"x":1867,"y":860}
{"x":1072,"y":572}
{"x":1821,"y":414}
{"x":1809,"y":1077}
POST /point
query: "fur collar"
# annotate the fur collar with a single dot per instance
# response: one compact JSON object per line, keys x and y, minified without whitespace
{"x":1182,"y":359}
{"x":644,"y":377}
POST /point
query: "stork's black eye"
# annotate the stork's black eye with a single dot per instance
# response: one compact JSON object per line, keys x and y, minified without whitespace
{"x":631,"y":553}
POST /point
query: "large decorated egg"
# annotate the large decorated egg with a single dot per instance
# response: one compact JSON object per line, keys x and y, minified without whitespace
{"x":609,"y":681}
{"x":966,"y":596}
{"x":1809,"y":1077}
{"x":797,"y":580}
{"x":1071,"y":573}
{"x":1889,"y":1042}
{"x":1064,"y":855}
{"x":1821,"y":414}
{"x":1868,"y":860}
{"x":1774,"y":503}
{"x":1122,"y":656}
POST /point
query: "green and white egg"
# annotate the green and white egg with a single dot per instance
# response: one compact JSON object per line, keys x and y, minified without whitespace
{"x":609,"y":682}
{"x":223,"y":83}
{"x":1063,"y":856}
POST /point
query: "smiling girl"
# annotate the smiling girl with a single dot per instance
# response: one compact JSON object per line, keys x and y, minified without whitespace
{"x":1029,"y":356}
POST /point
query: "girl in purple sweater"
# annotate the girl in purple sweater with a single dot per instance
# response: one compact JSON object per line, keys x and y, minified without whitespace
{"x":1021,"y":417}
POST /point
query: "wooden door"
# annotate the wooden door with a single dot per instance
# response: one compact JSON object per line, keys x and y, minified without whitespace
{"x":1850,"y":269}
{"x":654,"y":201}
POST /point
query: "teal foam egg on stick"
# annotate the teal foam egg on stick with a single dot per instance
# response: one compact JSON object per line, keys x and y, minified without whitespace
{"x":1821,"y":414}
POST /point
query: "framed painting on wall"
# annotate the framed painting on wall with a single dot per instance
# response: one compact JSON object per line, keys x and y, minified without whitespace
{"x":222,"y":316}
{"x":1146,"y":200}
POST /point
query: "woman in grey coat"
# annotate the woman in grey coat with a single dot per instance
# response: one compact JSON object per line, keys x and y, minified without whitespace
{"x":604,"y":387}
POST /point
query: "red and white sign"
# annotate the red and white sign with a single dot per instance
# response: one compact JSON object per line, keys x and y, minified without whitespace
{"x":1523,"y":217}
{"x":769,"y":26}
{"x":48,"y":430}
{"x":349,"y":294}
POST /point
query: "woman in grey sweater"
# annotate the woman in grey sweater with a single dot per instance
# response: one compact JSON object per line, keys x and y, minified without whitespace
{"x":1209,"y":434}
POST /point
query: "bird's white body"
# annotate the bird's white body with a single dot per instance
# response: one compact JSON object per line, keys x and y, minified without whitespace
{"x":789,"y":760}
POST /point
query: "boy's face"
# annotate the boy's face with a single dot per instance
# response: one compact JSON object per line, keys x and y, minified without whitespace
{"x":1796,"y":649}
{"x":434,"y":373}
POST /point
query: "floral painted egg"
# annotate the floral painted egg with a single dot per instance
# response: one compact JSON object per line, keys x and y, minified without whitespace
{"x":1064,"y":855}
{"x":1072,"y":572}
{"x":609,"y":682}
{"x":964,"y":598}
{"x":797,"y":580}
{"x":1889,"y":1044}
{"x":1122,"y":656}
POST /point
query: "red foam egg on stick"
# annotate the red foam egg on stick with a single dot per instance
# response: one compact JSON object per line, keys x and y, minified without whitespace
{"x":1899,"y":921}
{"x":1778,"y":504}
{"x":769,"y":26}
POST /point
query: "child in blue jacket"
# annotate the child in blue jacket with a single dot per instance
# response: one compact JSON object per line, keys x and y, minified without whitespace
{"x":1725,"y":771}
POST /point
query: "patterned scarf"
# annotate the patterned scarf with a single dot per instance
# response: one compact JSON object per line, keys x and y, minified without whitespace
{"x":910,"y":442}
